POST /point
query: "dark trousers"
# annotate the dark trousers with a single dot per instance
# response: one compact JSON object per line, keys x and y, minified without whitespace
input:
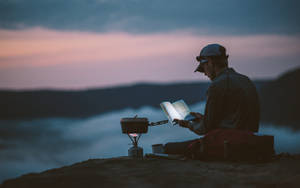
{"x":178,"y":148}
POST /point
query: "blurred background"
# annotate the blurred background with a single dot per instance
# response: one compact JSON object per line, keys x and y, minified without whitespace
{"x":70,"y":70}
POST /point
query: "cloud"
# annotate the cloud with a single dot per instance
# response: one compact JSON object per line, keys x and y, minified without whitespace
{"x":37,"y":145}
{"x":34,"y":135}
{"x":30,"y":58}
{"x":50,"y":143}
{"x":215,"y":16}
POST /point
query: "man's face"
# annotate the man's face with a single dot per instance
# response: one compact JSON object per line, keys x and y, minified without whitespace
{"x":209,"y":70}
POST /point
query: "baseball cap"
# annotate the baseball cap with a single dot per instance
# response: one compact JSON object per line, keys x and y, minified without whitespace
{"x":209,"y":51}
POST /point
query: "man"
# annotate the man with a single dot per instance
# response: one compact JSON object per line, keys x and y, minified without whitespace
{"x":232,"y":100}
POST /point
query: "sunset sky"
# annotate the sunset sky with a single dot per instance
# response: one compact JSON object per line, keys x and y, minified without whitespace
{"x":80,"y":44}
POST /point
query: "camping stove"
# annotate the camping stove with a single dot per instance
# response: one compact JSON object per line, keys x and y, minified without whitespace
{"x":134,"y":128}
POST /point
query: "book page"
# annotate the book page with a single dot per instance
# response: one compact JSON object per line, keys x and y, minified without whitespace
{"x":170,"y":111}
{"x":182,"y":108}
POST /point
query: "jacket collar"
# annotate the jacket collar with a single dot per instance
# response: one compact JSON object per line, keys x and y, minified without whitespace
{"x":224,"y":71}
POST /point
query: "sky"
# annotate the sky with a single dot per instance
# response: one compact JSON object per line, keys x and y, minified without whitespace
{"x":79,"y":44}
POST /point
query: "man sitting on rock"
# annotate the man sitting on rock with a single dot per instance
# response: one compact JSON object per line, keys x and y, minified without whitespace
{"x":232,"y":102}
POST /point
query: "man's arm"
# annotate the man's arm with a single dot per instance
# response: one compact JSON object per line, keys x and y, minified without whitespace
{"x":214,"y":108}
{"x":213,"y":113}
{"x":196,"y":125}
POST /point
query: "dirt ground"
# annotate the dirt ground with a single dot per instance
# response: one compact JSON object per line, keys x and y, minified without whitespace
{"x":150,"y":172}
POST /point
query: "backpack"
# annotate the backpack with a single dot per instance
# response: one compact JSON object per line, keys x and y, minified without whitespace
{"x":232,"y":144}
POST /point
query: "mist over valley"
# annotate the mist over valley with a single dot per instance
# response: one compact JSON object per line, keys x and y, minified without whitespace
{"x":48,"y":129}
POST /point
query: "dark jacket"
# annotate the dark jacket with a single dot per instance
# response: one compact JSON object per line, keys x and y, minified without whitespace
{"x":232,"y":102}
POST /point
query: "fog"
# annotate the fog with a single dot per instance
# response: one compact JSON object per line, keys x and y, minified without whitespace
{"x":41,"y":144}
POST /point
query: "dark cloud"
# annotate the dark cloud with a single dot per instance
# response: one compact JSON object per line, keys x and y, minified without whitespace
{"x":214,"y":16}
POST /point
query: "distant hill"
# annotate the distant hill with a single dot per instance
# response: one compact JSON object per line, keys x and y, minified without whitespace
{"x":86,"y":103}
{"x":280,"y":100}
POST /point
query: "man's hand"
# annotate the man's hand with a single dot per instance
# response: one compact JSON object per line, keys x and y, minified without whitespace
{"x":186,"y":124}
{"x":183,"y":123}
{"x":198,"y":116}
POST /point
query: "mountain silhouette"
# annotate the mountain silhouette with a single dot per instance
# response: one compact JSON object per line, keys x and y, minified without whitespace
{"x":280,"y":100}
{"x":87,"y":103}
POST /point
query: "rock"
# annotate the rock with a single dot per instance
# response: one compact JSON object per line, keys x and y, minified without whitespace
{"x":149,"y":172}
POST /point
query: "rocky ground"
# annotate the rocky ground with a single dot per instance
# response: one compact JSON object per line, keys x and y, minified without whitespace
{"x":159,"y":172}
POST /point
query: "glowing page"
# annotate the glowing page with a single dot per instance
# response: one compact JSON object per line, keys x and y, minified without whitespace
{"x":170,"y":111}
{"x":177,"y":110}
{"x":181,"y":108}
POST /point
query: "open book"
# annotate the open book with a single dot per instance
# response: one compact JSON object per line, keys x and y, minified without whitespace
{"x":177,"y":110}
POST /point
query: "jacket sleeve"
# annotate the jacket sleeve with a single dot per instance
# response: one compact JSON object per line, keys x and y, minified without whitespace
{"x":198,"y":128}
{"x":213,"y":112}
{"x":214,"y":108}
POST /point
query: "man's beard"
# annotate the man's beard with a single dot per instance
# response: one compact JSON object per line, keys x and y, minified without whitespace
{"x":212,"y":75}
